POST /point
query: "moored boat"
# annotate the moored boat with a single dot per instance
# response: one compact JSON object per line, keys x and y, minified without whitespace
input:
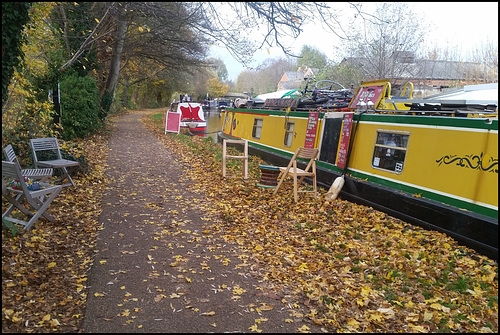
{"x":192,"y":117}
{"x":432,"y":162}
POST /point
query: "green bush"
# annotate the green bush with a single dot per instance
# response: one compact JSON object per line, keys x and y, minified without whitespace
{"x":32,"y":119}
{"x":79,"y":107}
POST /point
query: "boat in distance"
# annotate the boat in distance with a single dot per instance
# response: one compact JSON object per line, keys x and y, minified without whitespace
{"x":192,"y":117}
{"x":431,"y":162}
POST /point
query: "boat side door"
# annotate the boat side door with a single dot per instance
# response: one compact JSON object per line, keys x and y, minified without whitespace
{"x":330,"y":137}
{"x":227,"y":122}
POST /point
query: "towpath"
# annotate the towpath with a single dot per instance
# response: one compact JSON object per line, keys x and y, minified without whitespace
{"x":157,"y":267}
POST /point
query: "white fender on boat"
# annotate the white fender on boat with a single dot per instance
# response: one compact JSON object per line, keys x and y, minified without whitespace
{"x":334,"y":190}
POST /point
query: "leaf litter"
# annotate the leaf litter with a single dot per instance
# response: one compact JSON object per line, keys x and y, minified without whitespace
{"x":354,"y":269}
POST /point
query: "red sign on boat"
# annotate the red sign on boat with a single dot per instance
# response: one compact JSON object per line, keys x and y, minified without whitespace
{"x":312,"y":125}
{"x":344,"y":140}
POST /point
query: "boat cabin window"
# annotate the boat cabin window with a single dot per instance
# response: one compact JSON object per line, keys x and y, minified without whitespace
{"x":390,"y":151}
{"x":289,"y":127}
{"x":257,"y":127}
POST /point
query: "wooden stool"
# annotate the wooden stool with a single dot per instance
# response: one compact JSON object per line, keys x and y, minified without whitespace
{"x":244,"y":157}
{"x":269,"y":176}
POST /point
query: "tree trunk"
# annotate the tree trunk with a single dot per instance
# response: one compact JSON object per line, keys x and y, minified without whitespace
{"x":125,"y":95}
{"x":135,"y":95}
{"x":114,"y":69}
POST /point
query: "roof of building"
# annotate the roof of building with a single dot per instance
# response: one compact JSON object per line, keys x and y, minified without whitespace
{"x":423,"y":68}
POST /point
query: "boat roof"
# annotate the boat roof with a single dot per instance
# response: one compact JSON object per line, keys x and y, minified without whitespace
{"x":483,"y":94}
{"x":278,"y":94}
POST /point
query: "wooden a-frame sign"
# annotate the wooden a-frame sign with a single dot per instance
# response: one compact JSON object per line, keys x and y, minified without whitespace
{"x":173,"y":122}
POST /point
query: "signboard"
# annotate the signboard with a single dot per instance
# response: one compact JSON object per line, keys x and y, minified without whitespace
{"x":312,"y":125}
{"x":173,"y":122}
{"x":344,"y":140}
{"x":366,"y":93}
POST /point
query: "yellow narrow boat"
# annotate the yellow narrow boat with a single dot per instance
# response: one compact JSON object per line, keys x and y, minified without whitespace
{"x":431,"y":162}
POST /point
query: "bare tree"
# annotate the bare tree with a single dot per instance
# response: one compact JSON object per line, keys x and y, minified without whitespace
{"x":487,"y":56}
{"x":230,"y":24}
{"x":389,"y":45}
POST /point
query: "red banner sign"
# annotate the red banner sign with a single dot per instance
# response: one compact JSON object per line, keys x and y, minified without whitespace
{"x":344,"y":140}
{"x":312,"y":125}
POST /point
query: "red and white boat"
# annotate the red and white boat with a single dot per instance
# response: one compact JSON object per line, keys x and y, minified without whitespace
{"x":192,"y":117}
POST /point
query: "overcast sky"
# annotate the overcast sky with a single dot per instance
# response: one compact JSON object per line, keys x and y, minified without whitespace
{"x":460,"y":26}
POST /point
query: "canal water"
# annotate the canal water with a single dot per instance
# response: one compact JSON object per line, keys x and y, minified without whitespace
{"x":213,"y":122}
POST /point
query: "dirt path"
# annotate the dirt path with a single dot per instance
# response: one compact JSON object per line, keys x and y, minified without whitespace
{"x":158,"y":268}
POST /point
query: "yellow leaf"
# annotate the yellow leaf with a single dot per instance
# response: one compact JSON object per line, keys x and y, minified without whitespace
{"x":174,"y":295}
{"x":102,"y":262}
{"x":258,"y":248}
{"x":255,"y":329}
{"x":288,"y":320}
{"x":15,"y":319}
{"x":428,"y":316}
{"x":96,"y":20}
{"x":265,"y":307}
{"x":353,"y":323}
{"x":304,"y":329}
{"x":51,"y":265}
{"x":412,"y":317}
{"x":208,"y":313}
{"x":436,"y":306}
{"x":97,"y":294}
{"x":46,"y":317}
{"x":398,"y":303}
{"x":238,"y":290}
{"x":365,"y":290}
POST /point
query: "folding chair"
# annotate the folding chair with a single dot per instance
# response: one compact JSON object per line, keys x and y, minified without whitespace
{"x":50,"y":146}
{"x":308,"y":155}
{"x":19,"y":195}
{"x":35,"y":174}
